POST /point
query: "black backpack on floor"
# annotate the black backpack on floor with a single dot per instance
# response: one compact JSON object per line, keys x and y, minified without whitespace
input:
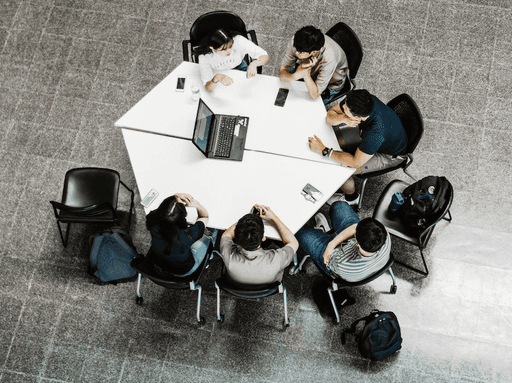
{"x":380,"y":337}
{"x":424,"y":200}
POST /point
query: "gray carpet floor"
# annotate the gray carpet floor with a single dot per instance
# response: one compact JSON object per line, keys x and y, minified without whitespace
{"x":70,"y":68}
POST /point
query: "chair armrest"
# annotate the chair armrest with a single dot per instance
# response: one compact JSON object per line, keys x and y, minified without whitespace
{"x":185,"y":44}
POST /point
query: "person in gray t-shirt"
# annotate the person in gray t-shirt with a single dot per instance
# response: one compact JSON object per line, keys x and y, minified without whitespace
{"x":353,"y":250}
{"x":318,"y":60}
{"x":245,"y":260}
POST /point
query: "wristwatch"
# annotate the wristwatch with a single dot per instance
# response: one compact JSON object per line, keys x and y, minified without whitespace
{"x":326,"y":151}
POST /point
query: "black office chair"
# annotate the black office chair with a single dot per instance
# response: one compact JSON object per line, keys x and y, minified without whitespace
{"x":90,"y":196}
{"x":412,"y":121}
{"x":341,"y":283}
{"x":145,"y":267}
{"x":250,"y":292}
{"x":398,"y":229}
{"x":351,"y":45}
{"x":210,"y":21}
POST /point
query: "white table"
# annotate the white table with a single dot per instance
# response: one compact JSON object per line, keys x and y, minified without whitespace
{"x":228,"y":189}
{"x":272,"y":129}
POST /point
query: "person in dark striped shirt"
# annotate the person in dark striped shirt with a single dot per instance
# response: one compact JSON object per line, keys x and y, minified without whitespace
{"x":353,"y":250}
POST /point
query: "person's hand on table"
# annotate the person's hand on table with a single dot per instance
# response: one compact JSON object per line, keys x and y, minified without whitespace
{"x":328,"y":252}
{"x":316,"y":144}
{"x":252,"y":69}
{"x":223,"y":79}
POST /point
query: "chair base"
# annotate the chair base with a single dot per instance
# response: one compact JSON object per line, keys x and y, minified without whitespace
{"x":424,"y":272}
{"x":282,"y":290}
{"x":200,"y":320}
{"x":335,"y":287}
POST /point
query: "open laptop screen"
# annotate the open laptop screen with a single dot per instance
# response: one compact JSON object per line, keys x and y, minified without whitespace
{"x":204,"y":121}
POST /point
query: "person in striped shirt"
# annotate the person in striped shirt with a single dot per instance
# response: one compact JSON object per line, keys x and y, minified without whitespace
{"x":353,"y":250}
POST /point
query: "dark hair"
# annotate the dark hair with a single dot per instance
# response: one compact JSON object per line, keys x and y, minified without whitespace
{"x":216,"y":39}
{"x":371,"y":235}
{"x":170,"y":218}
{"x":360,"y":102}
{"x":249,"y":232}
{"x":308,"y":39}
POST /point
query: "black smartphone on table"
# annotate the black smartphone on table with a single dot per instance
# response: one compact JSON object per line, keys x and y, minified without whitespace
{"x":180,"y":84}
{"x":281,"y":97}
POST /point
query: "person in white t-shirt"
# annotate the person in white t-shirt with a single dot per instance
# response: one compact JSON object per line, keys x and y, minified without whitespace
{"x":221,"y":50}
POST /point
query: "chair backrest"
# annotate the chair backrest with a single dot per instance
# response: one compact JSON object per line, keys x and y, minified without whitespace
{"x":411,"y":118}
{"x":351,"y":45}
{"x":178,"y":283}
{"x":369,"y":278}
{"x":212,"y":20}
{"x":89,"y":186}
{"x":247,"y":291}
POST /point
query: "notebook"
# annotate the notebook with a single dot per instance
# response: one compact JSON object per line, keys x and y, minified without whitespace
{"x":218,"y":135}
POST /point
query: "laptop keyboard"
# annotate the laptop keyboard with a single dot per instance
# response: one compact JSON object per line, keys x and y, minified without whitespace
{"x":225,"y":137}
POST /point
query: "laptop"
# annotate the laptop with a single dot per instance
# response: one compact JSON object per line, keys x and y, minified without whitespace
{"x":218,"y":135}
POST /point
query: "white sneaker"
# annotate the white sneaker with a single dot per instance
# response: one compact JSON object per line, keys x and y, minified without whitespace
{"x":341,"y":197}
{"x":322,"y":223}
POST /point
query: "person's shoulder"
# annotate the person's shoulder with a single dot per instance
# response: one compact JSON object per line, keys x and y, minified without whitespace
{"x":239,"y":39}
{"x":331,"y":47}
{"x":279,"y":253}
{"x":226,"y":239}
{"x":377,"y":101}
{"x":385,"y":250}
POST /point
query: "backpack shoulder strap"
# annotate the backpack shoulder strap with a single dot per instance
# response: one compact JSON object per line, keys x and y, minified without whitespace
{"x":353,"y":327}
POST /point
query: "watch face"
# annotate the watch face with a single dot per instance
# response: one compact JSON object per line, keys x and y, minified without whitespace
{"x":325,"y":151}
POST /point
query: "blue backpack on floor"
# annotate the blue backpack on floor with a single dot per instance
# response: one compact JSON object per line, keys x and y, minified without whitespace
{"x":380,"y":336}
{"x":111,"y":254}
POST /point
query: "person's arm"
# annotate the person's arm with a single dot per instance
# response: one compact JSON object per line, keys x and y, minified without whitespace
{"x":205,"y":70}
{"x":188,"y":200}
{"x":349,"y":232}
{"x":314,"y":91}
{"x":230,"y":231}
{"x":219,"y":77}
{"x":288,"y":60}
{"x":202,"y":213}
{"x":260,"y":61}
{"x":336,"y":116}
{"x":353,"y":161}
{"x":247,"y":47}
{"x":286,"y":235}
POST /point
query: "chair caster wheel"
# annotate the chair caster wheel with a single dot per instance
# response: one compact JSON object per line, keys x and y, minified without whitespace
{"x":139,"y":300}
{"x":393,"y":289}
{"x":220,"y":319}
{"x":286,"y":324}
{"x":202,"y":321}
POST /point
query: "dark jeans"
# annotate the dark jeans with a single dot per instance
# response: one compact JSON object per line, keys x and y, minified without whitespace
{"x":315,"y":241}
{"x":243,"y":66}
